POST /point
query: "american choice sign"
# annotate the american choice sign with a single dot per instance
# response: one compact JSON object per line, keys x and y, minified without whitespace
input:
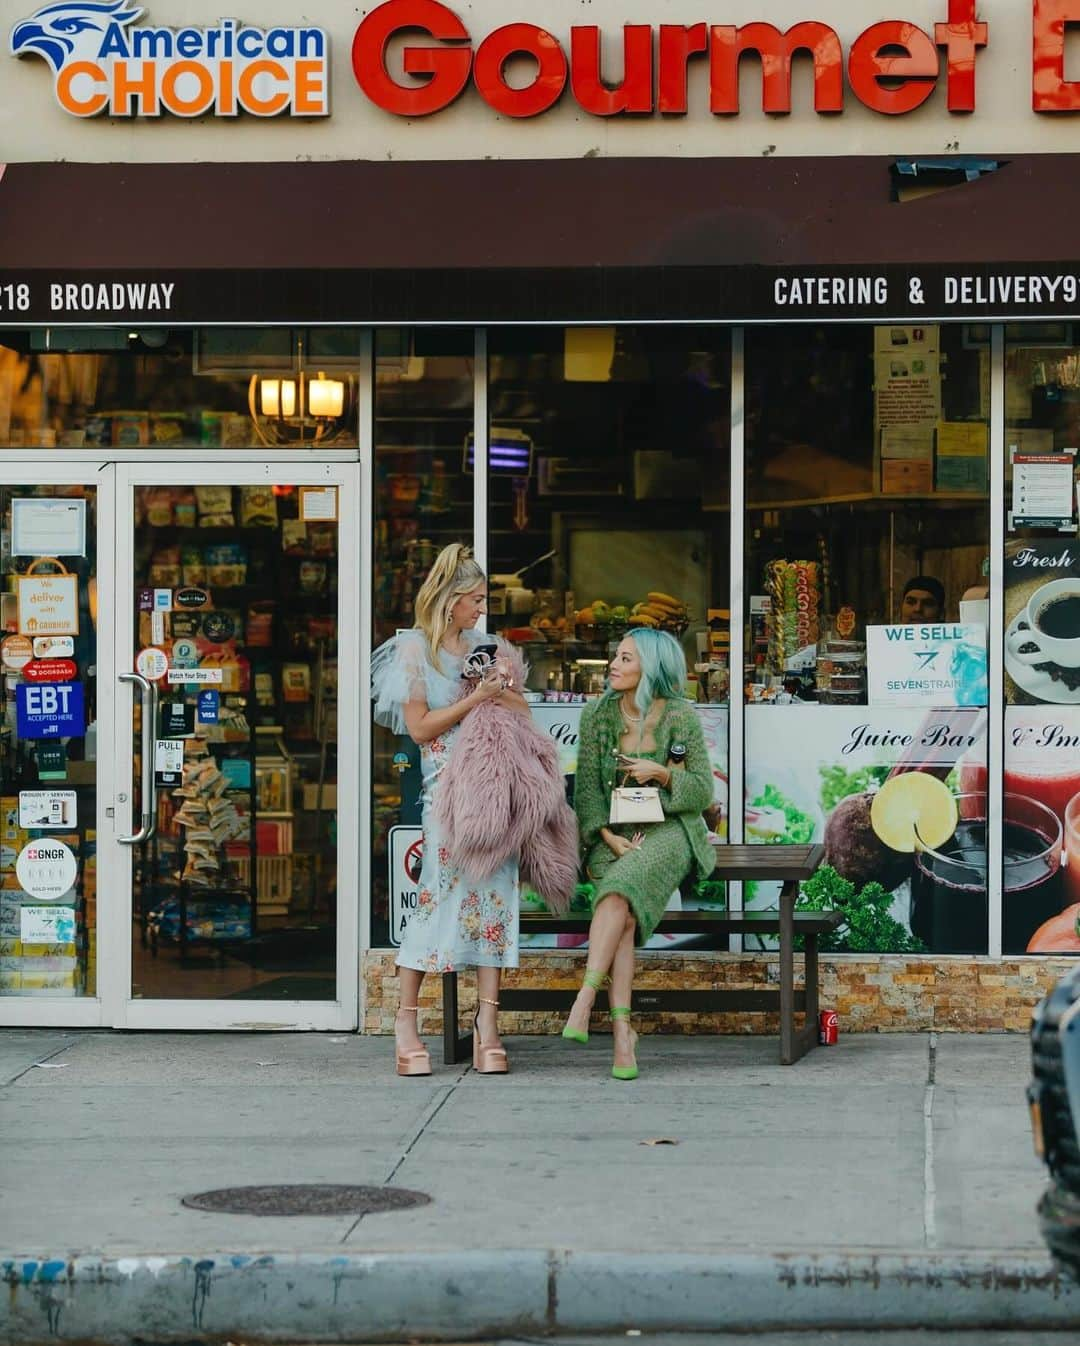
{"x":104,"y":61}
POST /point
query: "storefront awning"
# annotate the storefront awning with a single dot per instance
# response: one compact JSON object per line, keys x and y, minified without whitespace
{"x":583,"y":240}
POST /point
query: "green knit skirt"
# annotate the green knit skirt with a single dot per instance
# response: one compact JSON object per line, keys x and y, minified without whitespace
{"x":646,"y":877}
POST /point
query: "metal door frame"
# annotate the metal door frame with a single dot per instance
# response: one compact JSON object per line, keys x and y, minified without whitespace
{"x":114,"y":859}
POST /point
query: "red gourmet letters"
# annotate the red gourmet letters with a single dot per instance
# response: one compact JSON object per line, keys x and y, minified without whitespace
{"x":1050,"y":90}
{"x":892,"y":67}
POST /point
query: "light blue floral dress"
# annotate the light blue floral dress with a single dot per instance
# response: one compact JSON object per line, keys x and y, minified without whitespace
{"x":458,"y":921}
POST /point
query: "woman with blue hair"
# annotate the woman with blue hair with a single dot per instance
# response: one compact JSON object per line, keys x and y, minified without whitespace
{"x":642,"y":730}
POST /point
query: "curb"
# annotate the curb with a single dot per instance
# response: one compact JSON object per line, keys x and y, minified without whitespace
{"x":387,"y":1296}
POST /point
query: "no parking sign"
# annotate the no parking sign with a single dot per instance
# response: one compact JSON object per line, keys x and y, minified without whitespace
{"x":406,"y":858}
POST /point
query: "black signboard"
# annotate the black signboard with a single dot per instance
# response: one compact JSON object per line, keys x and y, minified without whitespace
{"x":464,"y":295}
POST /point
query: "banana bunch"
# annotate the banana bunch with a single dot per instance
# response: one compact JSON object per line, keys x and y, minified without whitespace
{"x":659,"y":611}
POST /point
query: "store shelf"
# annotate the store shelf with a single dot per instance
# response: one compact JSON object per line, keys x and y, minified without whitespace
{"x":948,"y":498}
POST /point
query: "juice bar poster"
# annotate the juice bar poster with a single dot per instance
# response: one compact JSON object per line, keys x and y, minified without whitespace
{"x":1042,"y":790}
{"x":898,"y":796}
{"x":1042,"y":623}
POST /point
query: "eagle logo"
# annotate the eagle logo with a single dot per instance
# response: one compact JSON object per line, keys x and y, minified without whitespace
{"x":56,"y":31}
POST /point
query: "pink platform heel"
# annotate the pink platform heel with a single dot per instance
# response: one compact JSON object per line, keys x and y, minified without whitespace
{"x":417,"y":1060}
{"x":487,"y":1060}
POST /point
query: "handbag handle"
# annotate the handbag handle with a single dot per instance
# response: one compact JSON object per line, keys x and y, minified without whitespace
{"x":46,"y":560}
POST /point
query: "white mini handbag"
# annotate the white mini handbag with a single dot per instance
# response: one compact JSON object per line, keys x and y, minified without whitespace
{"x":635,"y":804}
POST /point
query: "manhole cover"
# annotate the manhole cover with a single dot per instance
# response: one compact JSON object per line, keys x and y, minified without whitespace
{"x":306,"y":1199}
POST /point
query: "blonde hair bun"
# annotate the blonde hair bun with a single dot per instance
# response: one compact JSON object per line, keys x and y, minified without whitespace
{"x":454,"y":573}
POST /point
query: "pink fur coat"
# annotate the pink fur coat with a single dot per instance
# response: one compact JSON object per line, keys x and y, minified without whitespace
{"x":501,"y":794}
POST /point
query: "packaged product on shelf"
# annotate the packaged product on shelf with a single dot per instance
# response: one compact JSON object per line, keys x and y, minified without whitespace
{"x":192,"y":565}
{"x":259,"y":627}
{"x":167,"y":427}
{"x":322,"y":539}
{"x":296,"y":682}
{"x":130,"y":428}
{"x":226,"y":564}
{"x":264,"y":689}
{"x":236,"y":432}
{"x":210,"y":428}
{"x":215,"y":506}
{"x":312,"y":576}
{"x":165,"y":569}
{"x":159,"y":506}
{"x":294,"y":537}
{"x":184,"y":511}
{"x":258,"y":507}
{"x":98,"y":431}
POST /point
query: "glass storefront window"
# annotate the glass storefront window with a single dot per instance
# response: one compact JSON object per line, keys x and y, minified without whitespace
{"x":608,"y":506}
{"x":178,"y":389}
{"x":867,"y":537}
{"x":1041,"y":847}
{"x":424,"y":385}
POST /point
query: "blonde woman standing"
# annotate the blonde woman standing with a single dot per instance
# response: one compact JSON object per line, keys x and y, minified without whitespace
{"x":416,"y":684}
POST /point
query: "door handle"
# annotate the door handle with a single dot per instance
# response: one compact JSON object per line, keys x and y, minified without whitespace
{"x":149,"y":696}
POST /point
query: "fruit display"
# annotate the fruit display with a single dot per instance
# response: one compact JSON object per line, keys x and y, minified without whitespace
{"x":657,"y":610}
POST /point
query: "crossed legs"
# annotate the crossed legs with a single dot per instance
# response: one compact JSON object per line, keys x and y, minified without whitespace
{"x":611,"y":950}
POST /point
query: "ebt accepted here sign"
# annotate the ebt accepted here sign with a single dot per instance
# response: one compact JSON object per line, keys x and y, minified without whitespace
{"x":104,"y":61}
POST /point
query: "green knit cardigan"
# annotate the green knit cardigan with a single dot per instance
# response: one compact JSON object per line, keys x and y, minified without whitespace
{"x":687,"y":797}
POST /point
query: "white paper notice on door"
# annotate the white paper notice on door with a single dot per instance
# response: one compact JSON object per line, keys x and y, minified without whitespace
{"x":318,"y":504}
{"x":42,"y":527}
{"x":47,"y":808}
{"x":47,"y":925}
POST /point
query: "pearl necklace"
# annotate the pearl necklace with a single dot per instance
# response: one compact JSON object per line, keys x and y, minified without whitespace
{"x":630,"y":719}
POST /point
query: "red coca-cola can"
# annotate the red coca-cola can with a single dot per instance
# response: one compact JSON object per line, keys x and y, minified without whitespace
{"x":828,"y":1028}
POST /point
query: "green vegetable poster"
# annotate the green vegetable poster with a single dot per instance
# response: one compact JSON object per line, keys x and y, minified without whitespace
{"x":899,"y":799}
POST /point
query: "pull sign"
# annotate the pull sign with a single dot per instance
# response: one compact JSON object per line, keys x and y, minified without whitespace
{"x":168,"y":761}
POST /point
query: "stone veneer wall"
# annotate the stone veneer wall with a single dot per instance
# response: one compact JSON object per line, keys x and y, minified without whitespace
{"x":882,"y":993}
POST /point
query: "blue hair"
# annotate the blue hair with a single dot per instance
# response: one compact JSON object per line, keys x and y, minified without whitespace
{"x":663,"y":668}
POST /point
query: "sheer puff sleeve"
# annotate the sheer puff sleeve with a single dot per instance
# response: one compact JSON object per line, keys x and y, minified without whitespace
{"x":397,"y":677}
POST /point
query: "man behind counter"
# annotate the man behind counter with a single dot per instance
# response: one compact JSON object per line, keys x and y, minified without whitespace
{"x":923,"y":600}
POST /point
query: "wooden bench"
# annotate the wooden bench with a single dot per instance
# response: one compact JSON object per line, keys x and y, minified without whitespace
{"x":788,"y":864}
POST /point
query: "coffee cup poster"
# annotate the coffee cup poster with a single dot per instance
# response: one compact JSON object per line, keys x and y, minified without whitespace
{"x":1042,"y":623}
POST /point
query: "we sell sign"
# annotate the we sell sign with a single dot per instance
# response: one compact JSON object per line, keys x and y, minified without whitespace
{"x":937,"y":664}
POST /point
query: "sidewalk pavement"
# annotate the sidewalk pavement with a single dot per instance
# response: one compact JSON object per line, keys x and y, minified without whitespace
{"x":889,"y":1180}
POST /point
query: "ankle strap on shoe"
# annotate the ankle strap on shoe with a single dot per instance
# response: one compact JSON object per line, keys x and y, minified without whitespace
{"x":620,"y":1011}
{"x":595,"y":980}
{"x":485,"y":1001}
{"x":410,"y":1009}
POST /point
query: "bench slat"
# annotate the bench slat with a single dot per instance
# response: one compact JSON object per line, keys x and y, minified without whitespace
{"x":784,"y":863}
{"x":697,"y":922}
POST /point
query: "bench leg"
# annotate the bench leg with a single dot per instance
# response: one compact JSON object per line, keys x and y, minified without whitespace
{"x":795,"y":1043}
{"x":787,"y":973}
{"x":811,"y":982}
{"x":456,"y":1046}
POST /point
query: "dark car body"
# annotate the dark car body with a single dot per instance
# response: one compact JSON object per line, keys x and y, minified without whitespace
{"x":1054,"y":1097}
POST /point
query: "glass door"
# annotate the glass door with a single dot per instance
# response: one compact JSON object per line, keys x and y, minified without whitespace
{"x":236,"y":681}
{"x":53,"y":778}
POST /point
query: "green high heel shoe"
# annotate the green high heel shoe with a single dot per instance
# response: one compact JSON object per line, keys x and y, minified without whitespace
{"x":624,"y":1072}
{"x":597,"y":980}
